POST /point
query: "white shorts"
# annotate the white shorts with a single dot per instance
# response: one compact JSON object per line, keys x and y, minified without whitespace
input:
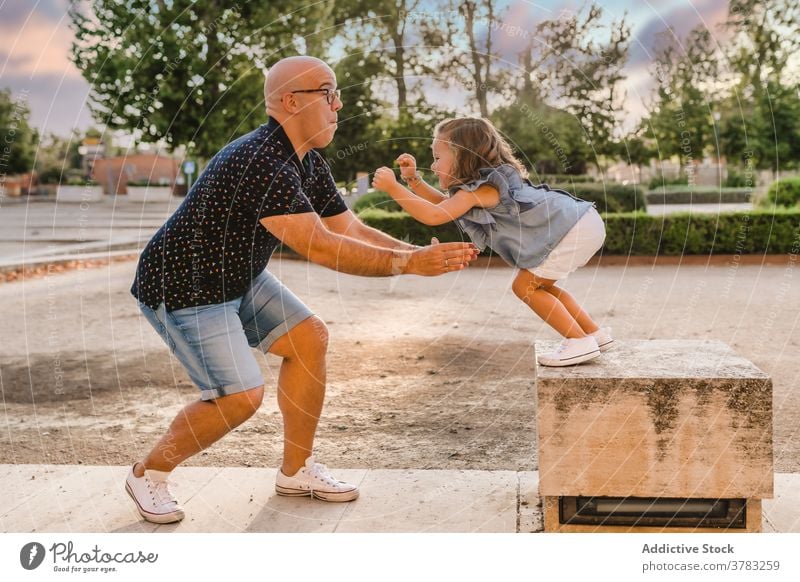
{"x":575,"y":249}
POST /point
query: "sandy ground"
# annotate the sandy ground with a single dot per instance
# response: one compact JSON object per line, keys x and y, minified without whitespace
{"x":423,"y":373}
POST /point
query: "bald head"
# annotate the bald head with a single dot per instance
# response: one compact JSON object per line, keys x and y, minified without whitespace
{"x":291,"y":74}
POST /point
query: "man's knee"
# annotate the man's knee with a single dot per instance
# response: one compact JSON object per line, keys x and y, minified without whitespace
{"x":241,"y":405}
{"x":309,"y":337}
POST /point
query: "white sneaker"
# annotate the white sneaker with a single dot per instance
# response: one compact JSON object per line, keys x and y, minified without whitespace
{"x":604,"y":340}
{"x":572,"y":351}
{"x":316,"y":481}
{"x":152,"y":497}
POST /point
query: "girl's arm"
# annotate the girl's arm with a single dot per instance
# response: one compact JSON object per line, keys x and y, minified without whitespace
{"x":434,"y":214}
{"x":414,"y":182}
{"x":425,"y":190}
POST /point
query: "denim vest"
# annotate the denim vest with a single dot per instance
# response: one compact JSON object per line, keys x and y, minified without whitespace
{"x":527,"y":223}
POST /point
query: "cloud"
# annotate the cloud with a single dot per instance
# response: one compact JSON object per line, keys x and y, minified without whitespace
{"x":15,"y":12}
{"x":41,"y":46}
{"x":682,"y":19}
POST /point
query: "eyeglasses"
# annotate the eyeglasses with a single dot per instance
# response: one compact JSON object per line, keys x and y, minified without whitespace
{"x":330,"y":95}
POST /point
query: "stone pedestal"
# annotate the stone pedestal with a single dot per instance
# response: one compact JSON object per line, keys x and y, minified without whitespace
{"x":659,"y":418}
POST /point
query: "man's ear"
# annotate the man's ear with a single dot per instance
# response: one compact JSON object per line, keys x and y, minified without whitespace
{"x":289,"y":102}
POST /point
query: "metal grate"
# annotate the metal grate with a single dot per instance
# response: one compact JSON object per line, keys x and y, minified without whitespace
{"x":653,"y":511}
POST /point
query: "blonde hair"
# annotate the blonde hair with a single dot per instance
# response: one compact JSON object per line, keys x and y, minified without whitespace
{"x":475,"y":144}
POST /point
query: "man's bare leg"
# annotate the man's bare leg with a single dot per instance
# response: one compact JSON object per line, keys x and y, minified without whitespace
{"x":301,"y":392}
{"x":301,"y":389}
{"x":198,"y":426}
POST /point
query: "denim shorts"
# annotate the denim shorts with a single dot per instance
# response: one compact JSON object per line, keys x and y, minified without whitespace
{"x":213,"y":342}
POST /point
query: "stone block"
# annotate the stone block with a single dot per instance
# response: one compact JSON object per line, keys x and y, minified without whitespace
{"x":657,"y":418}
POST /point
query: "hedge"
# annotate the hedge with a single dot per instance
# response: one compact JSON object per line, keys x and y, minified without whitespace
{"x":401,"y":226}
{"x":609,"y":196}
{"x":376,"y":199}
{"x":698,"y":195}
{"x":784,"y":192}
{"x":637,"y":233}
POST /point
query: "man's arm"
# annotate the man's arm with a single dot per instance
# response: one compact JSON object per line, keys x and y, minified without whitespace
{"x":348,"y":224}
{"x":306,"y":234}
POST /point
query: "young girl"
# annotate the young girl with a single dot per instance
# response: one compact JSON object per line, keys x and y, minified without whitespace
{"x":545,"y":233}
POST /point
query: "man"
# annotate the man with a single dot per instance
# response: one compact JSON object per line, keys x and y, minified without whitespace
{"x":201,"y":282}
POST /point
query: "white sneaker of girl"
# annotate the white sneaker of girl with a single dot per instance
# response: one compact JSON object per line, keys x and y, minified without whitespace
{"x":604,"y":340}
{"x":572,"y":351}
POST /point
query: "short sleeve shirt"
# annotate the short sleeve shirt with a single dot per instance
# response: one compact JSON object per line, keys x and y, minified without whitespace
{"x":213,"y":246}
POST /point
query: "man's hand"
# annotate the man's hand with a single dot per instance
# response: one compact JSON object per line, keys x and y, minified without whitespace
{"x":439,"y":258}
{"x":408,"y":166}
{"x":384,"y":179}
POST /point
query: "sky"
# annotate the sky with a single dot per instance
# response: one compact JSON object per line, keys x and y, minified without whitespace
{"x":35,"y":39}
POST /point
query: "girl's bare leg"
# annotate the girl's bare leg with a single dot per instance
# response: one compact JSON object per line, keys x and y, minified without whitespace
{"x":531,"y":290}
{"x":576,"y":311}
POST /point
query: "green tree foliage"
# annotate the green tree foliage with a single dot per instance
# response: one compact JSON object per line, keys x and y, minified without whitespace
{"x":681,"y":118}
{"x":548,"y":140}
{"x":567,"y":61}
{"x":18,"y":141}
{"x":185,"y":72}
{"x":761,"y":113}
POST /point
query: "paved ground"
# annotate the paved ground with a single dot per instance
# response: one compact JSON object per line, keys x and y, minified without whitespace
{"x":33,"y":229}
{"x":423,"y":373}
{"x":92,"y":499}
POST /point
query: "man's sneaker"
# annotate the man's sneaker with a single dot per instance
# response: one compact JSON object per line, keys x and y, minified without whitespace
{"x":315,"y":480}
{"x":572,"y":351}
{"x":152,"y":497}
{"x":604,"y":340}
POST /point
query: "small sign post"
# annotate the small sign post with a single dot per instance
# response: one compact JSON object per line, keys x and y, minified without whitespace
{"x":189,"y":168}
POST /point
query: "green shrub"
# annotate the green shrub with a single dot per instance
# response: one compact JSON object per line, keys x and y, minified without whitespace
{"x":402,"y":226}
{"x":378,"y":200}
{"x":698,"y":195}
{"x":609,"y":196}
{"x":755,"y":232}
{"x":659,"y":181}
{"x":51,"y":175}
{"x":637,"y":233}
{"x":79,"y":181}
{"x":784,"y":192}
{"x":737,"y":179}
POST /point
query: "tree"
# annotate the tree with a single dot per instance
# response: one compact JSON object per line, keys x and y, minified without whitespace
{"x":681,"y":117}
{"x":548,"y":140}
{"x":56,"y":156}
{"x":18,"y":141}
{"x":184,"y":72}
{"x":761,"y":114}
{"x":637,"y":149}
{"x":564,"y":62}
{"x":469,"y":55}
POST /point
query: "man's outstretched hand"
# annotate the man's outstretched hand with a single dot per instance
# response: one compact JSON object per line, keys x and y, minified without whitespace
{"x":440,"y":258}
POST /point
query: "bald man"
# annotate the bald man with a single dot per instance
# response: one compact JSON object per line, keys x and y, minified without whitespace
{"x":202,"y":283}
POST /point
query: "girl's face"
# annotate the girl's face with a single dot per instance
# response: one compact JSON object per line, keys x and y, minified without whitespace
{"x":442,"y":162}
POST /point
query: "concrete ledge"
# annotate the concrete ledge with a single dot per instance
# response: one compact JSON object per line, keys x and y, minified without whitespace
{"x":77,"y":498}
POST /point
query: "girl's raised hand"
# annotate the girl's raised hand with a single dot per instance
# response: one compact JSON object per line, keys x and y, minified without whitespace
{"x":408,"y":166}
{"x":384,"y":179}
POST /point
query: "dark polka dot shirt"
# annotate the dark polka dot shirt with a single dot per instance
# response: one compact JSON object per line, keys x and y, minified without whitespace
{"x":213,"y":246}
